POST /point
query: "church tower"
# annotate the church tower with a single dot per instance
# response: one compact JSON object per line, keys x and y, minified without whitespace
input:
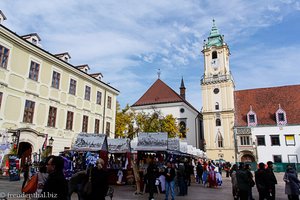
{"x":217,"y":86}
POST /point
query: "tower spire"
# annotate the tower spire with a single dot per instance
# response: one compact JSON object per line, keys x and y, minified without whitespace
{"x":158,"y":74}
{"x":182,"y":89}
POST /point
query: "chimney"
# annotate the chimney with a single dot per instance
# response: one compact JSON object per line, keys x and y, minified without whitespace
{"x":182,"y":89}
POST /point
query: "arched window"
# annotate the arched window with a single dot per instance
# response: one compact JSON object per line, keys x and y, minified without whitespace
{"x":214,"y":55}
{"x":217,"y":107}
{"x":218,"y":122}
{"x":182,"y":129}
{"x":220,"y":140}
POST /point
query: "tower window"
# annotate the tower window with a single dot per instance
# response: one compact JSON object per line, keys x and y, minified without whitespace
{"x":218,"y":122}
{"x":217,"y":107}
{"x":220,"y":140}
{"x":214,"y":55}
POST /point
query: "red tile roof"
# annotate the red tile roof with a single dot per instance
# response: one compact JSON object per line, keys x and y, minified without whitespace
{"x":159,"y":92}
{"x":265,"y":102}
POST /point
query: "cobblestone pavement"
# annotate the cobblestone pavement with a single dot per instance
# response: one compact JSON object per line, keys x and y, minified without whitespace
{"x":126,"y":192}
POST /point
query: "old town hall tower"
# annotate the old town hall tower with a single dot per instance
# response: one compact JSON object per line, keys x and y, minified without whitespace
{"x":217,"y":87}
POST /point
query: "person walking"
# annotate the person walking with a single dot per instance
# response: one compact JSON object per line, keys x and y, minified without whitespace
{"x":262,"y":182}
{"x":272,"y":180}
{"x":243,"y":182}
{"x":25,"y":171}
{"x":234,"y":183}
{"x":56,"y":186}
{"x":151,"y":176}
{"x":291,"y":183}
{"x":199,"y":170}
{"x":99,"y":180}
{"x":169,"y":173}
{"x":251,"y":181}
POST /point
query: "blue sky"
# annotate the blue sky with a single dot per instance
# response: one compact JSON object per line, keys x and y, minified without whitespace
{"x":128,"y":41}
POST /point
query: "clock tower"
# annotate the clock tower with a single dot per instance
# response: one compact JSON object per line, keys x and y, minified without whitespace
{"x":217,"y":86}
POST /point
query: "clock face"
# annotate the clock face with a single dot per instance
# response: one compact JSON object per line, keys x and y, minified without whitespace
{"x":214,"y":63}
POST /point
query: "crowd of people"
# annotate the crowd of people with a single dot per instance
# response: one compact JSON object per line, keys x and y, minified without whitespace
{"x":243,"y":181}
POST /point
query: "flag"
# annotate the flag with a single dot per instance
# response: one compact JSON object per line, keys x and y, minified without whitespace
{"x":45,"y":142}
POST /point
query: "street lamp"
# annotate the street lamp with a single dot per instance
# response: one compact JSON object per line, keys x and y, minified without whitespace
{"x":51,"y":140}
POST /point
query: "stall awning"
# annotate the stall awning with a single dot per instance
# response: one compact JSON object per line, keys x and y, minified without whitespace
{"x":157,"y":141}
{"x":119,"y":145}
{"x":90,"y":142}
{"x":173,"y":144}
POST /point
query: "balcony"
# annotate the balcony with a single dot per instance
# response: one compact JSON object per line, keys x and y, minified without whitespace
{"x":216,"y":79}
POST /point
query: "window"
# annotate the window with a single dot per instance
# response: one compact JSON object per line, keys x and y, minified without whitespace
{"x":109,"y":102}
{"x":85,"y":123}
{"x":281,"y":117}
{"x":28,"y":111}
{"x":1,"y":94}
{"x":99,"y":96}
{"x":87,"y":94}
{"x":52,"y":116}
{"x":34,"y":71}
{"x":293,"y":158}
{"x":289,"y":140}
{"x":261,"y":140}
{"x":218,"y":122}
{"x":220,"y":140}
{"x":4,"y":52}
{"x":97,"y":123}
{"x":69,"y":124}
{"x":72,"y":89}
{"x":245,"y":140}
{"x":107,"y":131}
{"x":182,"y":110}
{"x":182,"y":129}
{"x":217,"y":107}
{"x":275,"y":140}
{"x":277,"y":158}
{"x":252,"y":118}
{"x":216,"y":90}
{"x":55,"y":79}
{"x":214,"y":55}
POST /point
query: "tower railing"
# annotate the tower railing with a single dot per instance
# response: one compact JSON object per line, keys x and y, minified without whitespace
{"x":216,"y":78}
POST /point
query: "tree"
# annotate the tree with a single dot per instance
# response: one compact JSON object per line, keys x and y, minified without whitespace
{"x":123,"y":121}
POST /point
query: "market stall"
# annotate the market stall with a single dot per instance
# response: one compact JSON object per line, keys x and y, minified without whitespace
{"x":119,"y":162}
{"x":85,"y":151}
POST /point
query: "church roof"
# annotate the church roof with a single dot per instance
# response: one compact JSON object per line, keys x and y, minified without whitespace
{"x":160,"y":93}
{"x":265,"y":102}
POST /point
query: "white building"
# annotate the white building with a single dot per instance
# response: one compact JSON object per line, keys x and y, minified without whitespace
{"x":160,"y":97}
{"x":267,"y":124}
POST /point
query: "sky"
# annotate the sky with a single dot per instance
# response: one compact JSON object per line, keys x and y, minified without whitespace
{"x":130,"y":41}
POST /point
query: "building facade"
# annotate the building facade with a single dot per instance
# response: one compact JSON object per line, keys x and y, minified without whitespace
{"x":217,"y":86}
{"x":160,"y":97}
{"x":267,"y":124}
{"x":42,"y":95}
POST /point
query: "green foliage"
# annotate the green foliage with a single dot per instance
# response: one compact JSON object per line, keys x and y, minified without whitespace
{"x":129,"y":123}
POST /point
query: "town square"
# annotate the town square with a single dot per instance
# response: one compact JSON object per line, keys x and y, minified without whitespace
{"x":149,"y":100}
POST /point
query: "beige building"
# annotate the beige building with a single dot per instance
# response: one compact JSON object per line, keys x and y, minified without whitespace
{"x":42,"y":95}
{"x":218,"y":99}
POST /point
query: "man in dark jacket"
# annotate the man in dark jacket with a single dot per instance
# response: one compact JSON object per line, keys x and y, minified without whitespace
{"x":262,"y":182}
{"x":151,"y":176}
{"x":243,"y":182}
{"x":169,"y":173}
{"x":272,"y":180}
{"x":56,"y":186}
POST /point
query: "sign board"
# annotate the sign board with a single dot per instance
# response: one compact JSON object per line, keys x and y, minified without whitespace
{"x":14,"y":166}
{"x":120,"y":145}
{"x":157,"y":141}
{"x":173,"y":144}
{"x":90,"y":142}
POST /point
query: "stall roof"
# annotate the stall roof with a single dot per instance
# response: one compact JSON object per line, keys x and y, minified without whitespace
{"x":157,"y":141}
{"x":118,"y":145}
{"x":90,"y":142}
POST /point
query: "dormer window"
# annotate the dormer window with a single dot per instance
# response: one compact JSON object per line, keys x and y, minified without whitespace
{"x":214,"y":55}
{"x":281,"y":116}
{"x":251,"y":118}
{"x":34,"y":41}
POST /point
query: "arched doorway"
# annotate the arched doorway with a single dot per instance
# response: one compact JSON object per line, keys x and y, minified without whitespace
{"x":24,"y":152}
{"x":247,"y":158}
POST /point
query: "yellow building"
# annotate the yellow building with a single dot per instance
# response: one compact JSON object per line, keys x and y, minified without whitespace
{"x":218,"y":99}
{"x":42,"y":95}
